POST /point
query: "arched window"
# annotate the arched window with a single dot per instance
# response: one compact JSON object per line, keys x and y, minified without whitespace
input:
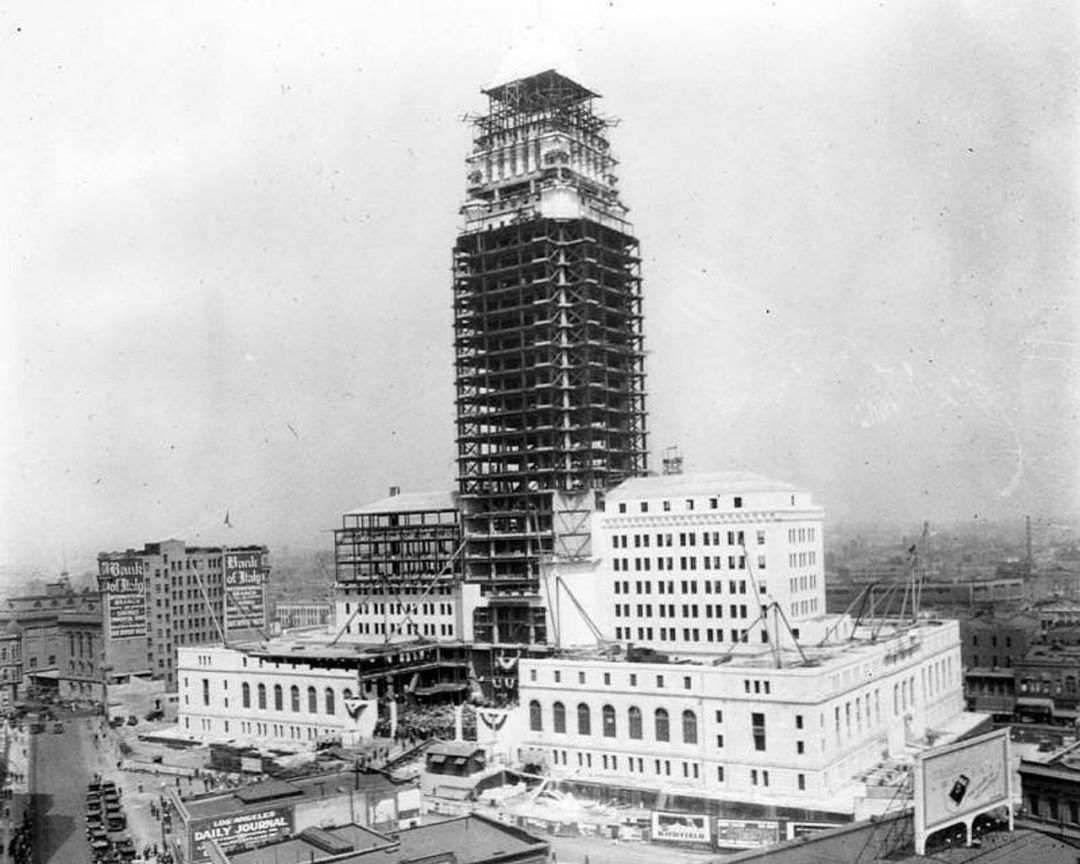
{"x":663,"y":727}
{"x":558,"y":713}
{"x":609,"y":721}
{"x":635,"y":722}
{"x":329,"y":700}
{"x":584,"y":720}
{"x":536,"y":720}
{"x":689,"y":727}
{"x":279,"y":702}
{"x":245,"y":694}
{"x":262,"y":696}
{"x":312,"y":701}
{"x":294,"y":698}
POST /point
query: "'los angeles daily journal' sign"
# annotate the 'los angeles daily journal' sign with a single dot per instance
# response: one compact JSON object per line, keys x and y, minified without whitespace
{"x":240,"y":831}
{"x":124,"y":584}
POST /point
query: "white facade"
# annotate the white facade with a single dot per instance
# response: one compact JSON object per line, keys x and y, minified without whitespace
{"x":375,"y":612}
{"x":231,"y":693}
{"x":744,"y":729}
{"x":691,"y":563}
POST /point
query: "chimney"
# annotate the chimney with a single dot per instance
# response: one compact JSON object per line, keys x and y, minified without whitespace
{"x":395,"y":491}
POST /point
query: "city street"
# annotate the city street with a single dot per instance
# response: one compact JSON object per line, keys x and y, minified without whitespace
{"x":62,"y":768}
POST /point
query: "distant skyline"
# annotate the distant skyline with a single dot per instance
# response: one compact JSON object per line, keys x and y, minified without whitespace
{"x":228,"y":232}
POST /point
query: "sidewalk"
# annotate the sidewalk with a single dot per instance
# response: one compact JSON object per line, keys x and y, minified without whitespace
{"x":19,"y":751}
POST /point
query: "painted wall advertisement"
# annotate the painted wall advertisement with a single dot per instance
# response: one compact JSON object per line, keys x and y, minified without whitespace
{"x":680,"y":827}
{"x":245,"y":603}
{"x":124,"y":583}
{"x":240,"y":831}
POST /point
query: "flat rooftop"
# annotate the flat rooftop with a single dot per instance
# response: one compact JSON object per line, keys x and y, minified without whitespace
{"x":757,"y":656}
{"x":409,"y":502}
{"x":307,"y":644}
{"x":273,"y":792}
{"x":472,"y":839}
{"x":713,"y":483}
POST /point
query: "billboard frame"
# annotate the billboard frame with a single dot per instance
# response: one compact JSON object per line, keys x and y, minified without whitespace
{"x":965,"y":815}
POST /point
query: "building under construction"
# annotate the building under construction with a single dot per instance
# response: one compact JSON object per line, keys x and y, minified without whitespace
{"x":397,"y":569}
{"x":548,"y":344}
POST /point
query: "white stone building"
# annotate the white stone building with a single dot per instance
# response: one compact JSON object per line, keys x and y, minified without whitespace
{"x":269,"y":700}
{"x":742,"y":728}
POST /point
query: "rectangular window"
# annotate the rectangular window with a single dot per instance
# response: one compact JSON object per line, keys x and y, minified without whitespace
{"x":660,"y":681}
{"x":205,"y":691}
{"x":802,"y":781}
{"x":757,"y":727}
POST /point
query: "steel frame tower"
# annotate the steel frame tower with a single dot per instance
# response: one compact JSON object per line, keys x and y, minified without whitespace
{"x":549,"y":357}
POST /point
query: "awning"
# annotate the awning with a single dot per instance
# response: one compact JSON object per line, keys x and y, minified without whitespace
{"x":454,"y":793}
{"x":1035,"y":703}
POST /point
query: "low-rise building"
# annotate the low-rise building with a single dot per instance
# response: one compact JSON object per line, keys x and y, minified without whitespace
{"x":740,"y":727}
{"x":1048,"y":683}
{"x":472,"y":839}
{"x":994,"y":640}
{"x":11,"y":667}
{"x":54,"y":643}
{"x":294,"y":692}
{"x":277,"y":810}
{"x":270,"y":697}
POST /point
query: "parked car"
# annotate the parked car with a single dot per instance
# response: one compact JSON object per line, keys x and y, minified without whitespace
{"x":58,"y":727}
{"x":133,"y":720}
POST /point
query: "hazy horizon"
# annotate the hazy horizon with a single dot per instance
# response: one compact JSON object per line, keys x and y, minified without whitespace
{"x":229,"y":235}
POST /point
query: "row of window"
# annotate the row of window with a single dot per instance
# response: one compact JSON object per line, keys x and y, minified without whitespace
{"x":758,"y":685}
{"x":806,"y":582}
{"x":686,"y":538}
{"x":801,"y":535}
{"x":410,"y":628}
{"x":714,"y":586}
{"x":377,"y":608}
{"x":295,"y":697}
{"x":802,"y":559}
{"x":686,"y":562}
{"x":689,"y":610}
{"x":690,"y":634}
{"x":662,"y":767}
{"x":609,"y":725}
{"x":714,"y":504}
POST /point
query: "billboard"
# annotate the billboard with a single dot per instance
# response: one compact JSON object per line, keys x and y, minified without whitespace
{"x":124,"y":583}
{"x":958,"y":781}
{"x":744,"y":834}
{"x":245,"y":600}
{"x":680,"y":827}
{"x":240,"y":831}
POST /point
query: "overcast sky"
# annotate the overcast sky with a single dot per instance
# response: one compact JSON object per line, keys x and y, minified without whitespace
{"x":226,"y":233}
